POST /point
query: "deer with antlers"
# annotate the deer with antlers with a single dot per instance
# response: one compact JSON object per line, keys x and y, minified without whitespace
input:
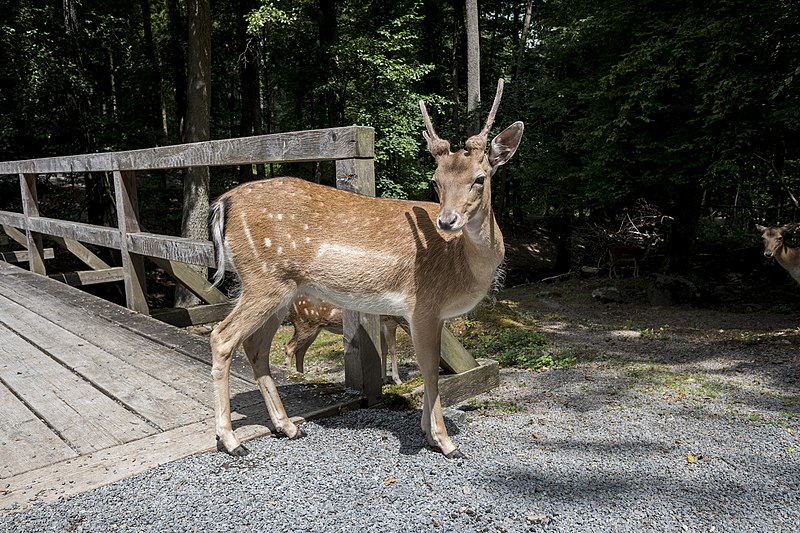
{"x":422,"y":261}
{"x":774,"y":247}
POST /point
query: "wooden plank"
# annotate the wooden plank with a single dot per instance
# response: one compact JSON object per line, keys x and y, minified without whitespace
{"x":16,"y":234}
{"x":173,"y":248}
{"x":197,"y":284}
{"x":188,"y":375}
{"x":100,"y":235}
{"x":30,"y":206}
{"x":303,"y":146}
{"x":9,"y":218}
{"x":454,"y":357}
{"x":128,"y":222}
{"x":67,"y":402}
{"x":191,"y":316}
{"x":80,"y":251}
{"x":21,"y":256}
{"x":455,"y":388}
{"x":26,"y":442}
{"x":97,"y":469}
{"x":141,"y":392}
{"x":80,"y":278}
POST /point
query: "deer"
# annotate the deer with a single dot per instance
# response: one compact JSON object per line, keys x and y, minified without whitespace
{"x":774,"y":247}
{"x":422,"y":261}
{"x":309,"y":316}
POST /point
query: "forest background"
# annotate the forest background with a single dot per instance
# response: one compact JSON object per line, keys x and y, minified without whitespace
{"x":691,"y":109}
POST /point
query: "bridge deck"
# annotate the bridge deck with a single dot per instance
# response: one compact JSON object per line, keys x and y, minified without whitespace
{"x":91,"y":392}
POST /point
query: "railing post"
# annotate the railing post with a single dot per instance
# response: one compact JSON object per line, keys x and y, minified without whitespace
{"x":30,"y":208}
{"x":128,"y":222}
{"x":362,"y":332}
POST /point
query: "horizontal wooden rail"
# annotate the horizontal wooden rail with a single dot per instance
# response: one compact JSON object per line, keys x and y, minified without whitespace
{"x":351,"y":142}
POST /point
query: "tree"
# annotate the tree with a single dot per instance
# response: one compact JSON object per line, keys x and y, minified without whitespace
{"x":473,"y":65}
{"x":198,"y":128}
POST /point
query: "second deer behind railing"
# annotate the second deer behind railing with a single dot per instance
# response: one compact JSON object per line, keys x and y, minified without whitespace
{"x":422,"y":261}
{"x":775,"y":247}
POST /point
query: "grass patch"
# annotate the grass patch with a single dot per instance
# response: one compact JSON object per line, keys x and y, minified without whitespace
{"x":503,"y":406}
{"x":522,"y":348}
{"x":400,"y":397}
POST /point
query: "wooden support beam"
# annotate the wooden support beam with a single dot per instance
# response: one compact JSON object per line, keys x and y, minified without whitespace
{"x":30,"y":207}
{"x":21,"y":256}
{"x":192,"y":316}
{"x":16,"y":234}
{"x":128,"y":222}
{"x":196,"y":283}
{"x":455,"y":388}
{"x":82,"y":252}
{"x":455,"y":358}
{"x":90,"y":277}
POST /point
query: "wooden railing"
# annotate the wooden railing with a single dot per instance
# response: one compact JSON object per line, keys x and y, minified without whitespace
{"x":352,"y":149}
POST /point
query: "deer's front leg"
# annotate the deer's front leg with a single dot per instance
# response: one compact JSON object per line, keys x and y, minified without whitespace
{"x":427,"y":344}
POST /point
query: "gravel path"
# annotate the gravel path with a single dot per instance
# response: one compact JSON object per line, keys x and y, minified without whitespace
{"x":682,"y":422}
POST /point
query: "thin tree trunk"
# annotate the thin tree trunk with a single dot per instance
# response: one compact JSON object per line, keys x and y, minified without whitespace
{"x":249,"y":78}
{"x":526,"y":27}
{"x":177,"y":26}
{"x":198,"y":128}
{"x":473,"y":65}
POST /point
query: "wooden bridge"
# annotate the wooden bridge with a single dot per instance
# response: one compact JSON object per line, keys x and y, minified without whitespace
{"x":92,"y":392}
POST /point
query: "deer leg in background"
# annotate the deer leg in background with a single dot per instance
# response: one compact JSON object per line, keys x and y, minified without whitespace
{"x":389,"y":347}
{"x":257,"y":346}
{"x":304,"y":336}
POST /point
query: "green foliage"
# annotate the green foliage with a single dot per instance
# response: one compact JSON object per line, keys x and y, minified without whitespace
{"x":522,"y":348}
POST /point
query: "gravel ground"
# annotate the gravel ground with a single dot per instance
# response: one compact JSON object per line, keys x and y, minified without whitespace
{"x":670,"y":420}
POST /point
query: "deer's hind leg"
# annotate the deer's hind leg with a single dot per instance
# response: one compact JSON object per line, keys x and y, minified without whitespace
{"x":257,"y":346}
{"x":248,"y":317}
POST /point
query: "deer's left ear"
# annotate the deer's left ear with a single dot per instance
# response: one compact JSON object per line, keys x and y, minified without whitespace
{"x":505,"y":145}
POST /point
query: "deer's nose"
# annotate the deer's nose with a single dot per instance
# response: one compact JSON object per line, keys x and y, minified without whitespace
{"x":768,"y":254}
{"x":447,"y":221}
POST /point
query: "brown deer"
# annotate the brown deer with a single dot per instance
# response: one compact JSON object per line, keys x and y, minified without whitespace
{"x":787,"y":257}
{"x":309,"y":316}
{"x":422,"y":261}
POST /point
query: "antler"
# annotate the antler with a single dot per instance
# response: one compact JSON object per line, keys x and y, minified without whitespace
{"x":436,"y":145}
{"x":490,"y":119}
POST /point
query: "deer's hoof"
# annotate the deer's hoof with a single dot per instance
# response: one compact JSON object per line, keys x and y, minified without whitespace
{"x":455,"y":454}
{"x":239,"y":451}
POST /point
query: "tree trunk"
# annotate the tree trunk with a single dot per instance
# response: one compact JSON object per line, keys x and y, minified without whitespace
{"x":177,"y":27}
{"x":328,"y":38}
{"x":153,"y":81}
{"x":526,"y":28}
{"x":198,"y":128}
{"x":473,"y":65}
{"x":249,"y":78}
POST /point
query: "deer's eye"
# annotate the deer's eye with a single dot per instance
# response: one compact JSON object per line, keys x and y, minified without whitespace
{"x":480,"y":180}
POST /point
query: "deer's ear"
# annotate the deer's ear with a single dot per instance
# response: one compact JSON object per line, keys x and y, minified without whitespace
{"x":505,"y":145}
{"x":761,"y":228}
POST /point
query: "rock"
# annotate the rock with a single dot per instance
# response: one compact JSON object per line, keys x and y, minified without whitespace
{"x":607,"y":295}
{"x":671,"y":290}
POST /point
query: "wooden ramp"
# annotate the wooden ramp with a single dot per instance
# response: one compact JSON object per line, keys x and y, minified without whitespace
{"x":91,"y":393}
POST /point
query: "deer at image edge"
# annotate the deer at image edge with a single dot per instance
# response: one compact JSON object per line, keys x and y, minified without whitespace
{"x":774,"y":247}
{"x":421,"y":261}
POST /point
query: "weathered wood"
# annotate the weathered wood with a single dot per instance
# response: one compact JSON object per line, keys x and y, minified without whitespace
{"x":77,"y":231}
{"x":21,"y":256}
{"x":15,"y":220}
{"x":26,"y":442}
{"x":30,"y":207}
{"x":303,"y":146}
{"x":64,"y":400}
{"x":139,"y":391}
{"x":454,"y":357}
{"x":191,"y":316}
{"x":82,"y":252}
{"x":197,"y":284}
{"x":80,"y":278}
{"x":362,"y":332}
{"x":455,"y":388}
{"x":128,"y":222}
{"x":172,"y":248}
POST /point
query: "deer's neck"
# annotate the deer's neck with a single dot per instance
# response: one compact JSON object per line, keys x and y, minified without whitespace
{"x":789,"y":259}
{"x":484,"y":248}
